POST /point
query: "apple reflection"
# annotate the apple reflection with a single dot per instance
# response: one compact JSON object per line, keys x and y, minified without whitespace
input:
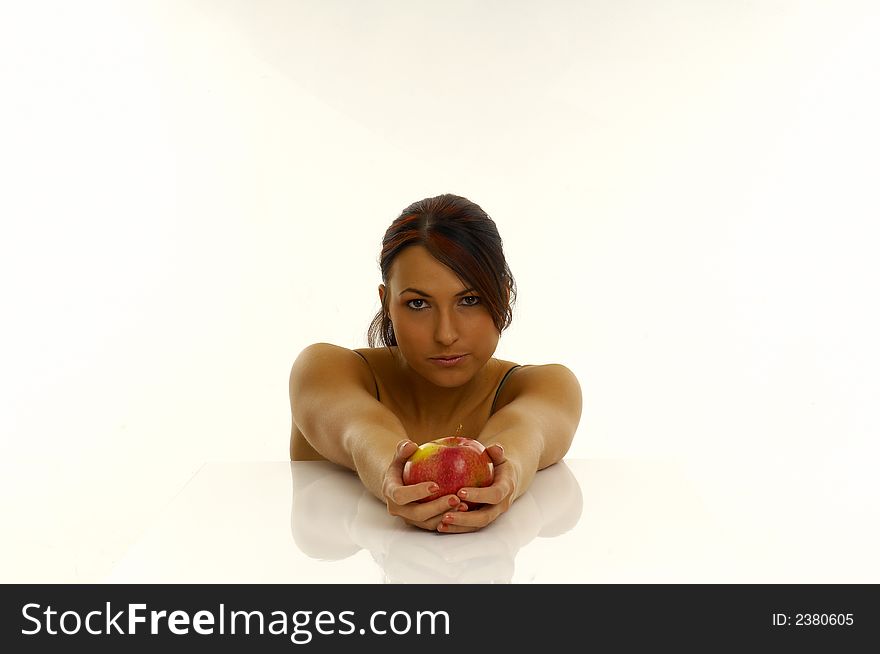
{"x":333,"y":517}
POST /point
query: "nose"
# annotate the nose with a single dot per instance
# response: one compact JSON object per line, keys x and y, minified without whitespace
{"x":445,"y":329}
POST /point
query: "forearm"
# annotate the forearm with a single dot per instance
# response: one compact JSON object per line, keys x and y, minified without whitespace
{"x":528,"y":444}
{"x":336,"y":414}
{"x":362,"y":439}
{"x":371,"y":450}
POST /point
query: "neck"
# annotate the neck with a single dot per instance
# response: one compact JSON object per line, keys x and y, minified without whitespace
{"x":432,"y":405}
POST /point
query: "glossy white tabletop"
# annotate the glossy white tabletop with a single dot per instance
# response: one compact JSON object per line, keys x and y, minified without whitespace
{"x":582,"y":521}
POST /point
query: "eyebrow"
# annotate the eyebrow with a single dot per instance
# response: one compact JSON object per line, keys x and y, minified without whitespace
{"x":422,"y":293}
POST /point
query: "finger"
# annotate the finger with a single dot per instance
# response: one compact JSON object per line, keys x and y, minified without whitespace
{"x":496,"y":453}
{"x":394,"y":474}
{"x":423,"y":511}
{"x":493,"y":494}
{"x":469,"y":520}
{"x":428,"y":525}
{"x":405,"y":449}
{"x":402,"y":494}
{"x":451,"y":523}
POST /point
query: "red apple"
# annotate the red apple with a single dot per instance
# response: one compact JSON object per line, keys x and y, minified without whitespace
{"x":453,"y":462}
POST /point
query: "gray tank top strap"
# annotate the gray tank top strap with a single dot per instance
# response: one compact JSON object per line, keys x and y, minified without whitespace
{"x":503,"y":379}
{"x":371,"y":371}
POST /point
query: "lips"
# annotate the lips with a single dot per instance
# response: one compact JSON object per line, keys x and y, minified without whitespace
{"x":448,"y":362}
{"x":447,"y":357}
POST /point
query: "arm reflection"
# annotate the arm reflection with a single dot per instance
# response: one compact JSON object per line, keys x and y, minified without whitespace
{"x":333,"y":516}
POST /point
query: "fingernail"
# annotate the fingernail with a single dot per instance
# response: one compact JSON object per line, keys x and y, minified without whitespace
{"x":462,"y":493}
{"x":433,"y":488}
{"x":453,"y":501}
{"x":449,"y":518}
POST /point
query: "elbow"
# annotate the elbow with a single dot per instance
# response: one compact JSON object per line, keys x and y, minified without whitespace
{"x":556,"y":445}
{"x":569,"y":416}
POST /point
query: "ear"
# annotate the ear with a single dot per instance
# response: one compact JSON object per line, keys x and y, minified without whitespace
{"x":382,"y":295}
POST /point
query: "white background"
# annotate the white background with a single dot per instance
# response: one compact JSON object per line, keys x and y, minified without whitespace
{"x":194,"y":191}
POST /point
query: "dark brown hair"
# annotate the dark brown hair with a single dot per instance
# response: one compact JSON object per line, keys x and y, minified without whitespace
{"x":461,"y":236}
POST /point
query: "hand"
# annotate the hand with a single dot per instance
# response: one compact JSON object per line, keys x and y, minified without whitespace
{"x":402,"y":500}
{"x":497,"y":498}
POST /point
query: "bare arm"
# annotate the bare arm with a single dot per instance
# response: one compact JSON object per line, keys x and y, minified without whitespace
{"x":331,"y":403}
{"x":538,"y":421}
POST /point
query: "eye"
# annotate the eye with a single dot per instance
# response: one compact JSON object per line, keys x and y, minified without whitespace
{"x":415,"y":308}
{"x":475,"y":299}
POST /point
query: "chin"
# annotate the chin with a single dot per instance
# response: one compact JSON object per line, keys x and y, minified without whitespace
{"x":447,"y":378}
{"x":451,"y":378}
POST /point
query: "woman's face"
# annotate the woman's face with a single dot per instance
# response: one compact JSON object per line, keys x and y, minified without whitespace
{"x":436,"y":315}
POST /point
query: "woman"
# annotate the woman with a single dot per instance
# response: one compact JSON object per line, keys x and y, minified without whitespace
{"x":446,"y":297}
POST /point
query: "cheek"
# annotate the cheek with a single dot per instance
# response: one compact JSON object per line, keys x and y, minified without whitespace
{"x":411,"y":335}
{"x":490,"y":343}
{"x":404,"y":324}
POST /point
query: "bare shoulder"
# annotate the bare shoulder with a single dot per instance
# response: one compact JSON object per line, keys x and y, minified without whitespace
{"x":325,"y":363}
{"x":375,"y":355}
{"x":553,"y":382}
{"x":549,"y":370}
